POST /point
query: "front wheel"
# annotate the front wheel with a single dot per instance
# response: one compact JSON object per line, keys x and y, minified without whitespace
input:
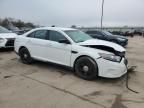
{"x":86,"y":68}
{"x":25,"y":56}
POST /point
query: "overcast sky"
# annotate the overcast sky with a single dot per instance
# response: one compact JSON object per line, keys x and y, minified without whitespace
{"x":77,"y":12}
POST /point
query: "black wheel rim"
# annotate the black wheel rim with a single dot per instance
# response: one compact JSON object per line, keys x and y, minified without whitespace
{"x":85,"y":69}
{"x":24,"y":56}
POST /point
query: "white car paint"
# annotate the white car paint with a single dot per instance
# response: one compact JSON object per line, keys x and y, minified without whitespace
{"x":46,"y":50}
{"x":6,"y":37}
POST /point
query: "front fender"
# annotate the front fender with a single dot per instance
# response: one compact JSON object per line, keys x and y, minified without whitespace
{"x":83,"y":51}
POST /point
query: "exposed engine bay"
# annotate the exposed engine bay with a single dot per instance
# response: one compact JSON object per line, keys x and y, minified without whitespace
{"x":107,"y":48}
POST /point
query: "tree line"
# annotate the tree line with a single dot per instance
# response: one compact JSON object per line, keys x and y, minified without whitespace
{"x":9,"y":22}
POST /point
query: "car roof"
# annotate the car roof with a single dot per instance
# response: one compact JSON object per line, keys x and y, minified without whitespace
{"x":55,"y":28}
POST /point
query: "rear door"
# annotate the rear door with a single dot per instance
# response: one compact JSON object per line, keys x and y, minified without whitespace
{"x":37,"y":43}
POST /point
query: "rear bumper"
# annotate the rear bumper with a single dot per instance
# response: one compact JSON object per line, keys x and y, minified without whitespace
{"x":8,"y":43}
{"x":111,"y":69}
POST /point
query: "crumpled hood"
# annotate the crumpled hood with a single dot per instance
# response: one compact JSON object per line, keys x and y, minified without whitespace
{"x":8,"y":35}
{"x":103,"y":43}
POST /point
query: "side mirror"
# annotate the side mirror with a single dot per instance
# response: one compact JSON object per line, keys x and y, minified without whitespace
{"x":64,"y":41}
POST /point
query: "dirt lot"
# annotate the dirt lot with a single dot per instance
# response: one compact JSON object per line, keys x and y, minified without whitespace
{"x":44,"y":85}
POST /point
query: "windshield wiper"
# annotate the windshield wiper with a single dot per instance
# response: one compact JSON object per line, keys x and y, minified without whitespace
{"x":81,"y":41}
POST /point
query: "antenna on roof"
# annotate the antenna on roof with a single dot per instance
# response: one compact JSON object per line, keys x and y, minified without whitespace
{"x":53,"y":26}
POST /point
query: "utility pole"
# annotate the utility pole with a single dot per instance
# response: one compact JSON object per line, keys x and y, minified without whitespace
{"x":102,"y":14}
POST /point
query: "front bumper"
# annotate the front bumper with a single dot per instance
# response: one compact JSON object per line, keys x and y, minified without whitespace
{"x":110,"y":69}
{"x":124,"y":43}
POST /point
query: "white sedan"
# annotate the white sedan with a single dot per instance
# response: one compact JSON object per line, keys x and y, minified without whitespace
{"x":6,"y":38}
{"x":70,"y":47}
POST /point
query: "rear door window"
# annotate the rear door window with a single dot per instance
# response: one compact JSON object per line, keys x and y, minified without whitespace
{"x":41,"y":34}
{"x":31,"y":35}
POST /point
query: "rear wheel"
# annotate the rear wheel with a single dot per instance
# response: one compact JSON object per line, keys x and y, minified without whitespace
{"x":86,"y":68}
{"x":25,"y":56}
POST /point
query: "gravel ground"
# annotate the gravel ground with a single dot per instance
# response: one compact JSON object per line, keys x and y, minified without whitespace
{"x":45,"y":85}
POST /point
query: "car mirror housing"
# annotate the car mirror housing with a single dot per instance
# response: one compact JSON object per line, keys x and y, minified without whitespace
{"x":64,"y":41}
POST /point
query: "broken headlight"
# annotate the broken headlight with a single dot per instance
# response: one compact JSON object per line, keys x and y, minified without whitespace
{"x":110,"y":57}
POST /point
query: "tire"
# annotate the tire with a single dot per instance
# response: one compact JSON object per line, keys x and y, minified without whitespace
{"x":86,"y":68}
{"x":25,"y":56}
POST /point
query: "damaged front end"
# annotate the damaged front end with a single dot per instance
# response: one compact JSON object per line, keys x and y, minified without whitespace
{"x":110,"y":65}
{"x":112,"y":62}
{"x":107,"y":48}
{"x":117,"y":57}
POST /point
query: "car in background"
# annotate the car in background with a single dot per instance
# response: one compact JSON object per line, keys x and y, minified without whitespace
{"x":129,"y":34}
{"x":117,"y":33}
{"x":138,"y":32}
{"x":7,"y":38}
{"x":107,"y":36}
{"x":126,"y":33}
{"x":87,"y":56}
{"x":19,"y":32}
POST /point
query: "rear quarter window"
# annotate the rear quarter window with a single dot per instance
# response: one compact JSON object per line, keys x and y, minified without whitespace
{"x":31,"y":35}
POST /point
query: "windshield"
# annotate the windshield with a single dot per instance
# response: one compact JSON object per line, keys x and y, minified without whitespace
{"x":4,"y":30}
{"x":78,"y":36}
{"x":107,"y":33}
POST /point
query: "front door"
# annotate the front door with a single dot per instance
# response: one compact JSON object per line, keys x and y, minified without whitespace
{"x":58,"y":52}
